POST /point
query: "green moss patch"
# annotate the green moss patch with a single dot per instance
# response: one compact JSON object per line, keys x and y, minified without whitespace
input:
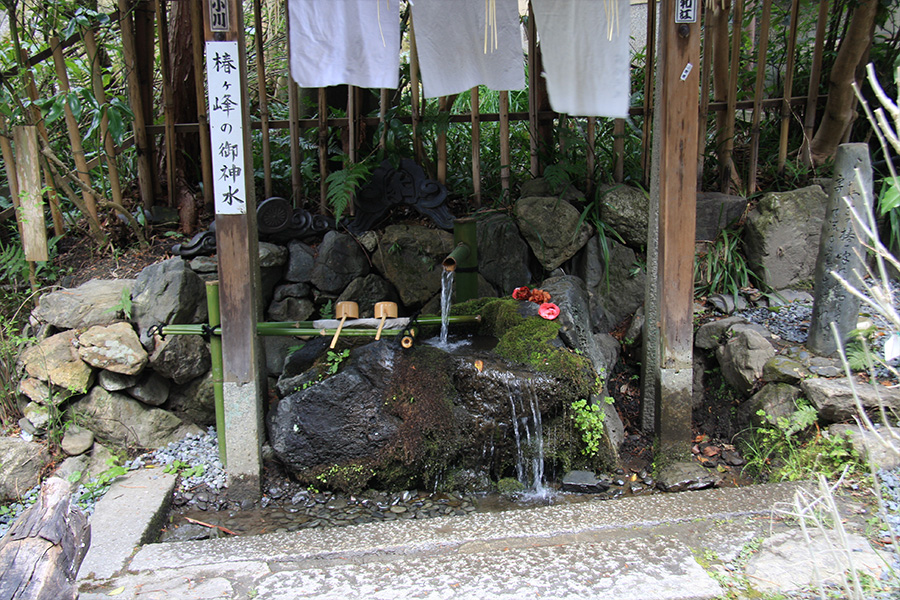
{"x":422,"y":398}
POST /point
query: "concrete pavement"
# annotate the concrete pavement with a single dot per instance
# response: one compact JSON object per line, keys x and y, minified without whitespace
{"x":644,"y":547}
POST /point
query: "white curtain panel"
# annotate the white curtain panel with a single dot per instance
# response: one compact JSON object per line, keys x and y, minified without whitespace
{"x":584,"y":45}
{"x":460,"y":47}
{"x":356,"y":42}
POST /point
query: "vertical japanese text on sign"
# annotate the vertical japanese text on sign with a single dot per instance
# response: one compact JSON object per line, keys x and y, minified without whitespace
{"x":686,"y":11}
{"x":226,"y":133}
{"x":219,"y":18}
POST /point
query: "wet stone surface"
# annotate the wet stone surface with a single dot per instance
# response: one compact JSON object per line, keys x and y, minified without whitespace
{"x":201,"y":512}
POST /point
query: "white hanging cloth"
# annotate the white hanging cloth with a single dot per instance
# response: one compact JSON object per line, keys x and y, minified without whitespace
{"x":585,"y":51}
{"x":356,"y":42}
{"x":465,"y":43}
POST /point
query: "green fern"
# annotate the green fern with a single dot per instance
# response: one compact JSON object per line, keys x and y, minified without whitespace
{"x":13,"y":266}
{"x":342,"y":185}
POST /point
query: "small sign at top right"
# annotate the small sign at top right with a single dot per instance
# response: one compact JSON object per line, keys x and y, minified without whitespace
{"x":686,"y":11}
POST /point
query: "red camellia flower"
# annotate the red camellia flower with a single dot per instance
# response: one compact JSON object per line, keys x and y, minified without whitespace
{"x":539,"y":296}
{"x":548,"y":310}
{"x":521,"y":293}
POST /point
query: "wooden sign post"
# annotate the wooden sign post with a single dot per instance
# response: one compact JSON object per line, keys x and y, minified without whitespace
{"x":237,"y":244}
{"x":31,"y":202}
{"x":669,"y":323}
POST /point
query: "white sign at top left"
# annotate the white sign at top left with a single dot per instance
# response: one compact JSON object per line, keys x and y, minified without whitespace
{"x":223,"y":77}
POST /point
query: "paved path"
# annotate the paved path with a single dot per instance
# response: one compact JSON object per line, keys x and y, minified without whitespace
{"x":642,"y":547}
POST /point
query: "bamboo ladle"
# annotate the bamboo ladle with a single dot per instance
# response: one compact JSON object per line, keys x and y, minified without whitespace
{"x":343,"y":311}
{"x":384,"y":311}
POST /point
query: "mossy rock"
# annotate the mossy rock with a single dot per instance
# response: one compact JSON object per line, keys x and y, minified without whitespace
{"x":531,"y":341}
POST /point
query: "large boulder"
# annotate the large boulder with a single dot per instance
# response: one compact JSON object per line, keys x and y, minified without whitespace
{"x":21,"y":464}
{"x":410,"y":257}
{"x":195,"y":402}
{"x":340,"y":419}
{"x":615,"y":282}
{"x":367,"y":292}
{"x":113,"y":347}
{"x":743,"y":356}
{"x":300,"y":262}
{"x":96,"y":302}
{"x":120,"y":420}
{"x":553,"y":229}
{"x":775,"y":400}
{"x":833,"y":398}
{"x":56,"y":361}
{"x":503,"y":255}
{"x":402,"y":418}
{"x":166,"y":293}
{"x":339,"y":261}
{"x":781,"y":237}
{"x":627,"y":211}
{"x":181,"y":358}
{"x":715,"y":212}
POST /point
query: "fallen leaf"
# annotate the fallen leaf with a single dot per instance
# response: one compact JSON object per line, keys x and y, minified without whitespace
{"x":117,"y":591}
{"x":710,"y":451}
{"x":479,"y":364}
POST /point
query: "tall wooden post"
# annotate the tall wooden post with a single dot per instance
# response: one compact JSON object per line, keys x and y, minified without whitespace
{"x":671,"y":312}
{"x":237,"y":244}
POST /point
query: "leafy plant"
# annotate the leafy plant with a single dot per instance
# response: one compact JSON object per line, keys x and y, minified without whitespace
{"x":589,"y":419}
{"x":124,"y":304}
{"x":792,"y":448}
{"x":99,"y":485}
{"x":184,"y":470}
{"x":342,"y":185}
{"x":333,"y":360}
{"x":722,"y":269}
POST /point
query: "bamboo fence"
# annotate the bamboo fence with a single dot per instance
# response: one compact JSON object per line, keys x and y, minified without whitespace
{"x":154,"y":126}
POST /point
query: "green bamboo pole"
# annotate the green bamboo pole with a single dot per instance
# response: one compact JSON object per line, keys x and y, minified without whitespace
{"x":276,"y":328}
{"x":215,"y":349}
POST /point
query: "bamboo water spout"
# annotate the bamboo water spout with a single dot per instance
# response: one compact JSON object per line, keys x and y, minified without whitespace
{"x":463,"y":259}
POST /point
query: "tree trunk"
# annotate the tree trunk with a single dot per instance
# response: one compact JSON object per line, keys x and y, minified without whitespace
{"x":184,"y":97}
{"x":41,"y":554}
{"x":839,"y":108}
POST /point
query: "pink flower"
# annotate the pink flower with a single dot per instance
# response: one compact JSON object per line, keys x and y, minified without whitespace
{"x":548,"y":310}
{"x":521,"y":293}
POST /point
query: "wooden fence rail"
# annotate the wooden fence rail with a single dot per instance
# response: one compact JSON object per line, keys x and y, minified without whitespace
{"x":727,"y":57}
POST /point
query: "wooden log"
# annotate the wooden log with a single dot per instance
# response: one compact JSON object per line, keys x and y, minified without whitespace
{"x":144,"y":19}
{"x":591,"y":155}
{"x":145,"y":174}
{"x":705,"y":79}
{"x":442,"y":145}
{"x":788,"y":86}
{"x":294,"y":128}
{"x":36,"y":118}
{"x":262,"y":97}
{"x":815,"y":75}
{"x":28,"y":174}
{"x":504,"y":144}
{"x":202,"y":116}
{"x":162,"y":22}
{"x":41,"y":554}
{"x":757,"y":93}
{"x":72,"y":125}
{"x":9,"y":164}
{"x":727,"y":157}
{"x":533,"y":76}
{"x":323,"y":150}
{"x":109,"y":147}
{"x":382,"y":117}
{"x":476,"y":148}
{"x":619,"y":150}
{"x":649,"y":78}
{"x":417,"y":110}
